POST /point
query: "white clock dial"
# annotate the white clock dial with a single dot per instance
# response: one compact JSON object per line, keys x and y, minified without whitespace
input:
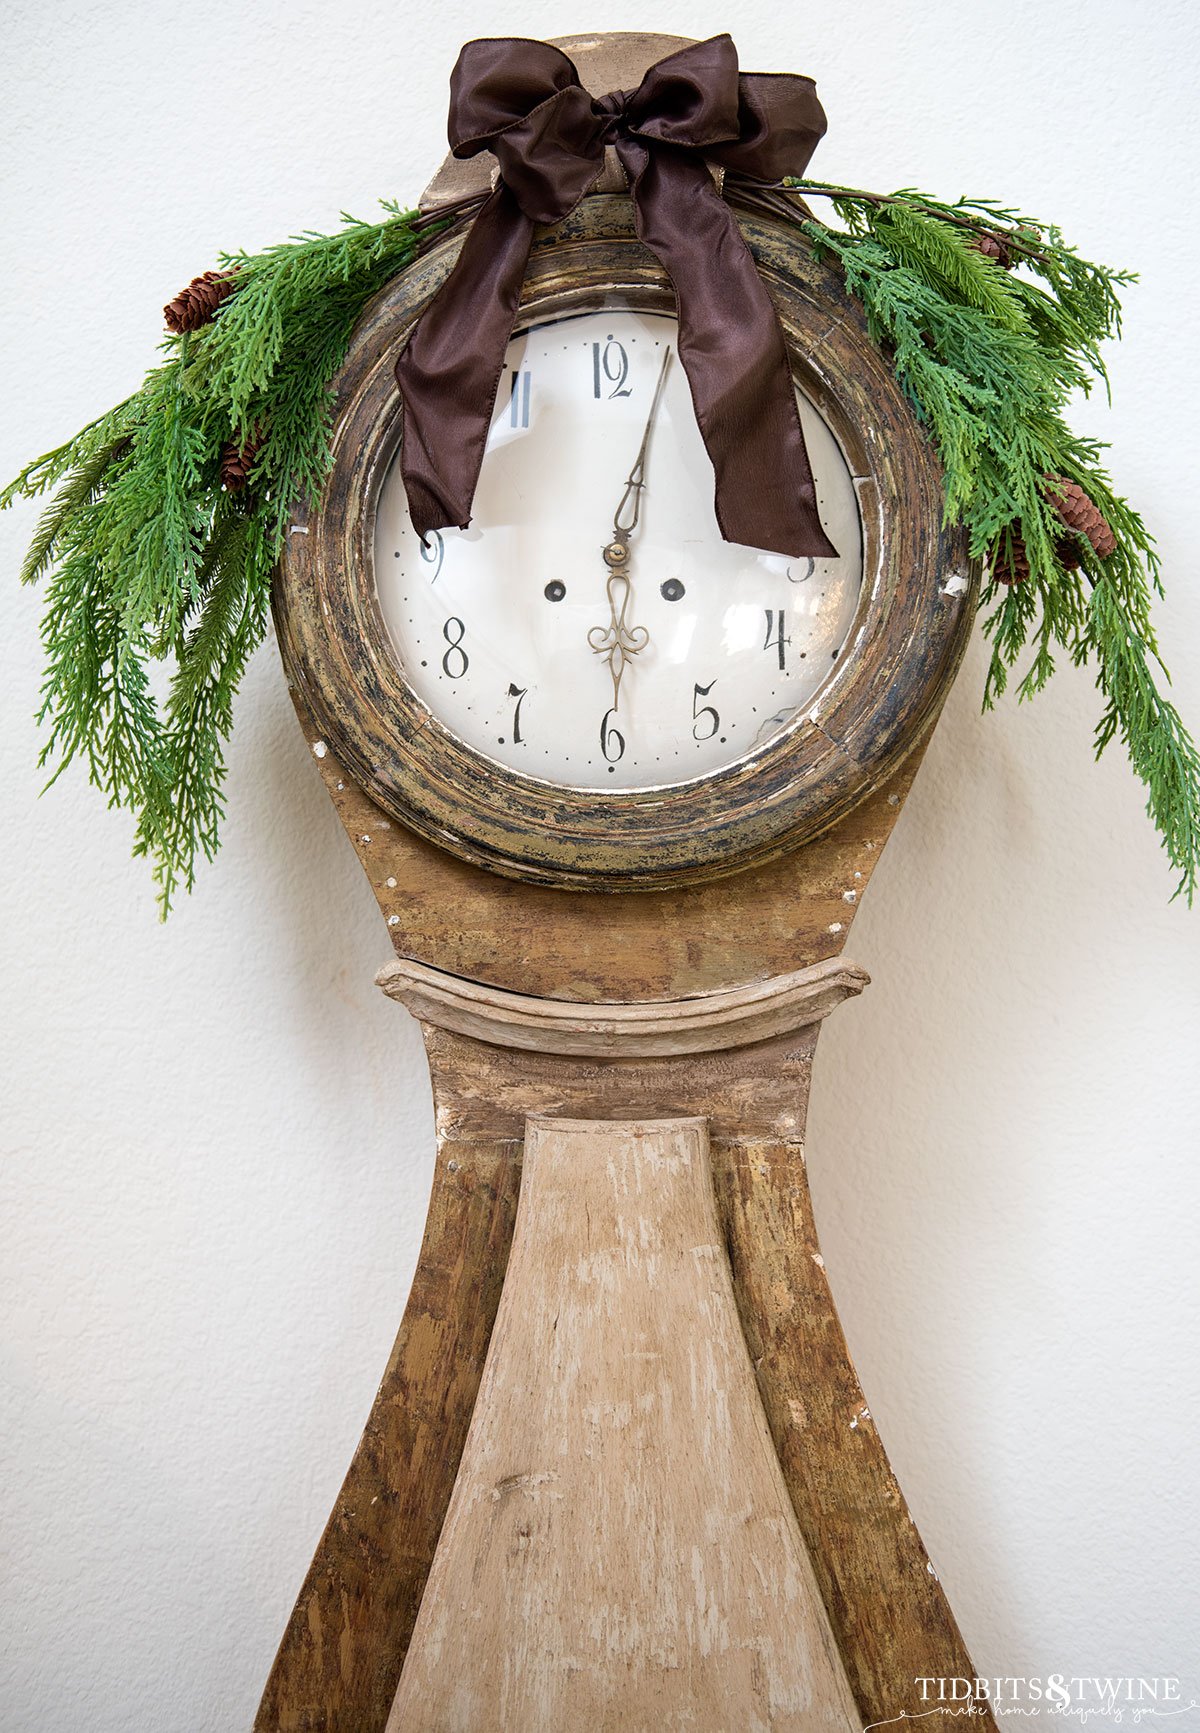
{"x":491,"y":624}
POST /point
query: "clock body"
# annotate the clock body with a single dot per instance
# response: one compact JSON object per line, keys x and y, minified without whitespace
{"x":569,"y":882}
{"x":463,"y":682}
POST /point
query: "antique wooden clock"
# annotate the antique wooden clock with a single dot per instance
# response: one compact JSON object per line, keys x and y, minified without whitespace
{"x":619,"y":786}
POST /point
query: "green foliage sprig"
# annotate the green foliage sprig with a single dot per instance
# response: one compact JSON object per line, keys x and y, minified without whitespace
{"x":990,"y":359}
{"x":149,"y":559}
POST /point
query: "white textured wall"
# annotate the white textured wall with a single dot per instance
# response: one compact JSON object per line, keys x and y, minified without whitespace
{"x":218,"y":1134}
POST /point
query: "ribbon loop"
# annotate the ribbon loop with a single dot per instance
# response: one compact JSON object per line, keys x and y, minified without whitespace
{"x":524,"y":101}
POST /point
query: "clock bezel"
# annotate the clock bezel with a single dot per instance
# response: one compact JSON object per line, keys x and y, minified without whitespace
{"x":899,"y":658}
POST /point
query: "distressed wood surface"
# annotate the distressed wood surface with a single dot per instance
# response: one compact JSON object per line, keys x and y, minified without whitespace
{"x":708,"y":1023}
{"x":620,"y":1550}
{"x":589,"y":947}
{"x":889,"y":1614}
{"x":341,"y":1652}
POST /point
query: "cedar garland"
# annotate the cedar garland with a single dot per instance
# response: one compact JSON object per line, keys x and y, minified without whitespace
{"x":155,"y":548}
{"x":990,"y":358}
{"x":170,"y":511}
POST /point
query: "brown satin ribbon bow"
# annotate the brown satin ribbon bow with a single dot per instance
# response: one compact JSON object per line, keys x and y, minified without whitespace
{"x":523,"y":100}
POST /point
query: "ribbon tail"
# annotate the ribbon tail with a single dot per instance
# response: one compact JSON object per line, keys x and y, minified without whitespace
{"x":733,"y":352}
{"x":449,"y":371}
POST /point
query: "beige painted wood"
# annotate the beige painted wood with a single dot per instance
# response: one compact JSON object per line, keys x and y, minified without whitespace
{"x":620,"y":1550}
{"x":704,"y":1023}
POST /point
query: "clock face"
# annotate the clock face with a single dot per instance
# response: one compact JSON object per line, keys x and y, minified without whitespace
{"x":679,"y":654}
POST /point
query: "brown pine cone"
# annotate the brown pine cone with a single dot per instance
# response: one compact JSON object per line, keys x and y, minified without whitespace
{"x":236,"y":463}
{"x":197,"y":304}
{"x":993,"y":246}
{"x":1079,"y":514}
{"x":1015,"y":568}
{"x":1010,"y":565}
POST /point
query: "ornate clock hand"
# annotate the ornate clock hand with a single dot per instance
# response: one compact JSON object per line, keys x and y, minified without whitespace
{"x":616,"y":642}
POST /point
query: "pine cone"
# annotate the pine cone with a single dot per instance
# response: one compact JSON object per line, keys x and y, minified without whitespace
{"x":1070,"y":553}
{"x":1010,"y":565}
{"x":237,"y":461}
{"x":1015,"y":568}
{"x":1079,"y":514}
{"x":993,"y":246}
{"x":197,"y":304}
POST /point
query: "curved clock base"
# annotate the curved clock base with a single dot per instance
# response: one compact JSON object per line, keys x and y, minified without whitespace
{"x":620,"y":1550}
{"x":340,"y":1661}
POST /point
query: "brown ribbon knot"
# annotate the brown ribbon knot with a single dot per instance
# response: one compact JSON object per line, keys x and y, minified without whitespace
{"x":523,"y":100}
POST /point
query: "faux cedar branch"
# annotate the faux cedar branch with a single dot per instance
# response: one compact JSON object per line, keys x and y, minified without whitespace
{"x":170,"y":511}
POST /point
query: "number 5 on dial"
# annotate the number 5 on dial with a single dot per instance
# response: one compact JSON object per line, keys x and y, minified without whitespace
{"x":705,"y":718}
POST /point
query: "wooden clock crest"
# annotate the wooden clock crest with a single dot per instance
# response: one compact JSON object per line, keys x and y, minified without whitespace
{"x":620,"y":1472}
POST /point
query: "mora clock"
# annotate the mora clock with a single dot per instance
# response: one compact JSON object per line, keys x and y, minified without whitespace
{"x":618,"y":784}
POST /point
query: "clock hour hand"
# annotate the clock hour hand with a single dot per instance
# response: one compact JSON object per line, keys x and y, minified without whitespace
{"x":617,"y":641}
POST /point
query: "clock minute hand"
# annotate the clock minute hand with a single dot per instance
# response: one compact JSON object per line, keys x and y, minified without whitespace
{"x":617,"y":641}
{"x":636,"y":482}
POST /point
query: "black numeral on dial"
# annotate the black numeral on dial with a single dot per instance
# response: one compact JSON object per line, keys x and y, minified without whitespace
{"x":705,"y":718}
{"x":519,"y":693}
{"x":433,"y":552}
{"x":610,"y":366}
{"x":456,"y":661}
{"x":775,"y":623}
{"x":612,"y":741}
{"x":518,"y":399}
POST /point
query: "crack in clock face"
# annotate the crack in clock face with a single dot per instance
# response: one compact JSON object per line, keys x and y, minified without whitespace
{"x":493,"y":625}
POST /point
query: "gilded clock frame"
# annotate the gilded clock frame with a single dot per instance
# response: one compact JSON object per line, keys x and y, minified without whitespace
{"x":900,"y":656}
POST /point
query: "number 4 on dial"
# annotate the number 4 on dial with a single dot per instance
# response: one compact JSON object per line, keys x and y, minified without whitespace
{"x":778,"y":641}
